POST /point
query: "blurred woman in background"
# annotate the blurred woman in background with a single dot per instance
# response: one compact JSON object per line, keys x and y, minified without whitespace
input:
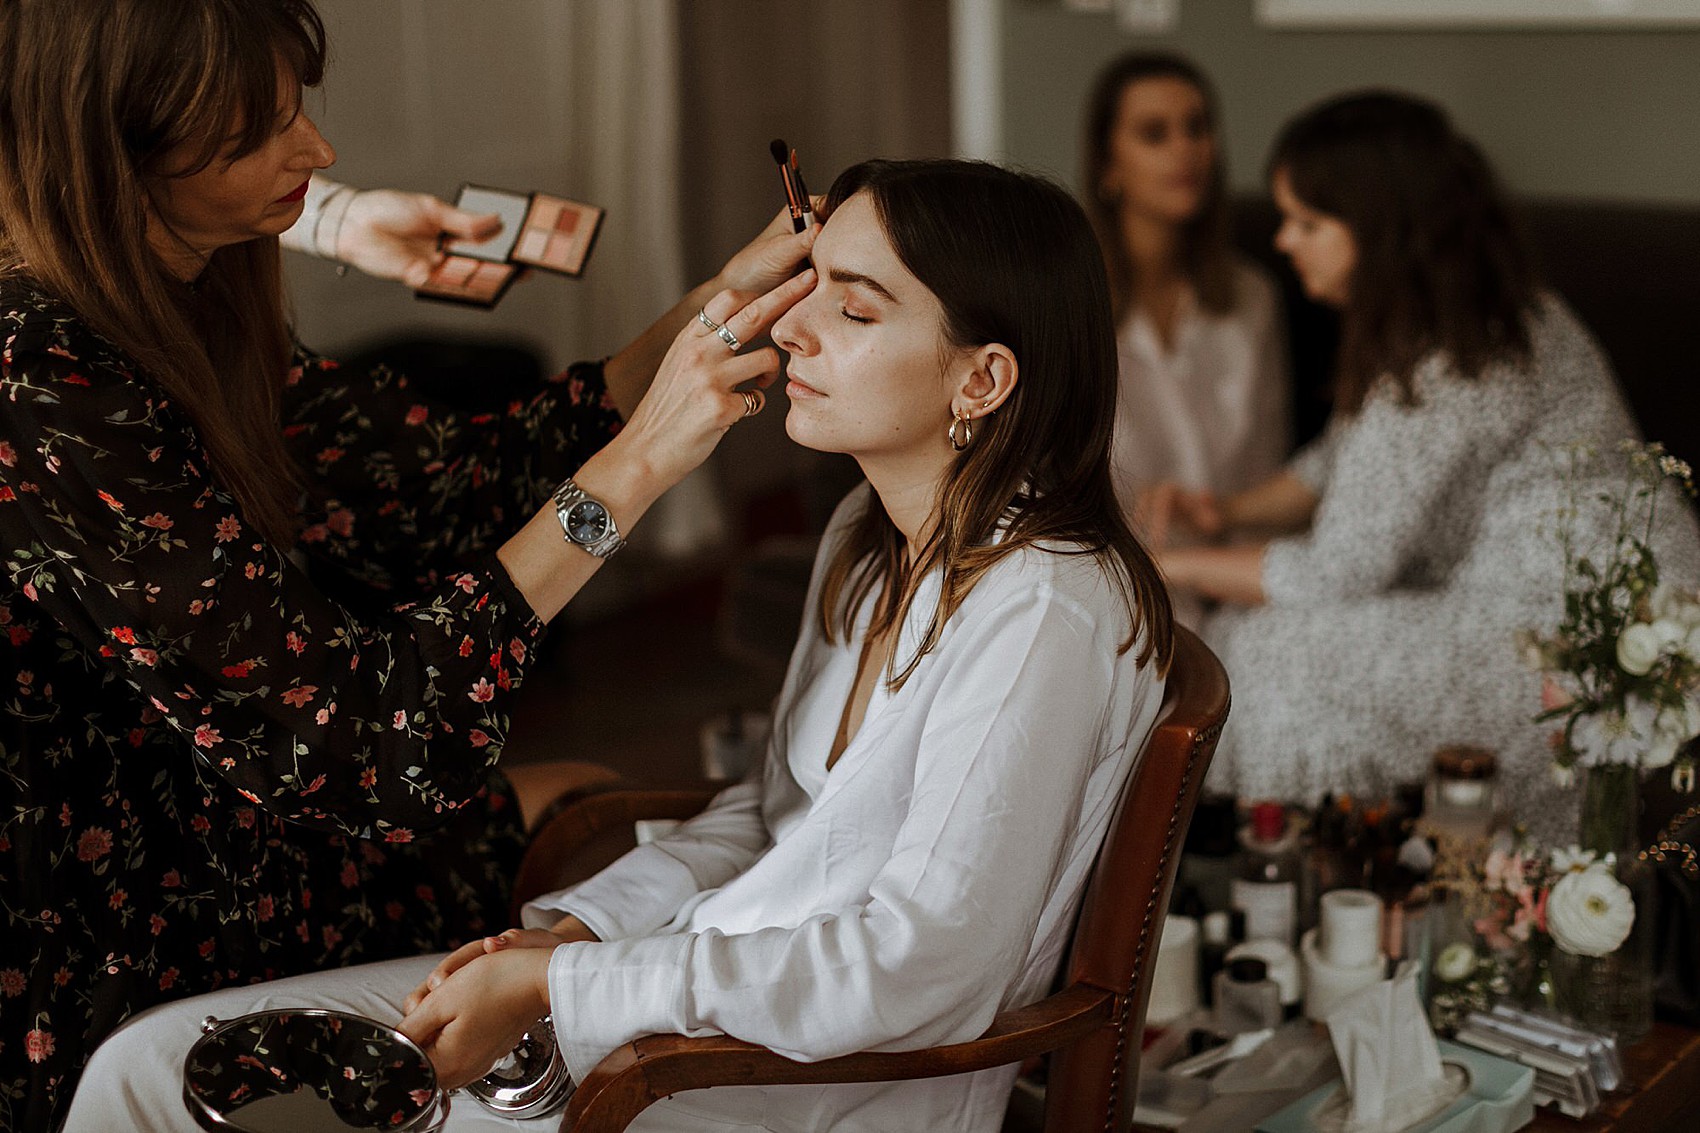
{"x":1205,"y":390}
{"x":1370,"y":618}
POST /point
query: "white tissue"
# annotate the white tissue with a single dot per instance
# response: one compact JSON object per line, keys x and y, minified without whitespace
{"x":1388,"y":1056}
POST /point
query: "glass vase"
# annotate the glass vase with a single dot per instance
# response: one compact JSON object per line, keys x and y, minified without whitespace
{"x":1613,"y":992}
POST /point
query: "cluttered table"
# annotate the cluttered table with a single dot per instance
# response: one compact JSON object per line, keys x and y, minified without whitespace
{"x":1664,"y":1095}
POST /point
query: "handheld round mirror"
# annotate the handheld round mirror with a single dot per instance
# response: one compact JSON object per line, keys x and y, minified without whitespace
{"x":289,"y":1070}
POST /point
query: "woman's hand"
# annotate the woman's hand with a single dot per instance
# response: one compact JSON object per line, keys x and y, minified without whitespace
{"x":395,"y":235}
{"x":1165,"y":510}
{"x":567,"y":930}
{"x":694,"y":398}
{"x":774,"y":256}
{"x":480,"y":1012}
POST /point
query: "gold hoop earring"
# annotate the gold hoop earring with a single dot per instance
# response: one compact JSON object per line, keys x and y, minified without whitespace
{"x":960,"y":418}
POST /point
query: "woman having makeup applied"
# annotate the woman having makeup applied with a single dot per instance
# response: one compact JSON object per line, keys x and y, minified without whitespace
{"x":1204,"y":386}
{"x":1369,"y":618}
{"x":980,"y":663}
{"x":262,"y":621}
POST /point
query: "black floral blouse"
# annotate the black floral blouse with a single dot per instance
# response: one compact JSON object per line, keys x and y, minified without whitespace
{"x":222,"y":762}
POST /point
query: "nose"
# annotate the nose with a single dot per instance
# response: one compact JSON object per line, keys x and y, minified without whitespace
{"x":315,"y":152}
{"x":791,"y":333}
{"x":1284,"y":238}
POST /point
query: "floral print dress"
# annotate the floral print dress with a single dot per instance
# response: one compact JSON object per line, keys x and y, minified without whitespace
{"x":221,"y":760}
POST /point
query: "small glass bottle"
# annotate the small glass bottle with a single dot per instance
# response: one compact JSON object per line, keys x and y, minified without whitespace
{"x":1210,"y":856}
{"x":1461,"y":798}
{"x":1246,"y":999}
{"x":1216,"y":937}
{"x":1266,"y":887}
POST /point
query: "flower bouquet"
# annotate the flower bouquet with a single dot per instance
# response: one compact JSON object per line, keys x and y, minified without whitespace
{"x":1524,"y":911}
{"x":1621,"y":674}
{"x":1621,"y":679}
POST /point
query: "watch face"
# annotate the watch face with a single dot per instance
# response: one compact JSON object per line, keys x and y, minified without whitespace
{"x":587,"y":521}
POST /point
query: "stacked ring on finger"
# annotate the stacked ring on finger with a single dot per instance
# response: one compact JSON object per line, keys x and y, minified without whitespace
{"x":752,"y":402}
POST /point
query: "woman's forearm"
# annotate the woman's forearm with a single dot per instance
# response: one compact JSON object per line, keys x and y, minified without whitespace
{"x":1280,"y":505}
{"x":1227,"y":574}
{"x":629,"y":372}
{"x":549,"y":570}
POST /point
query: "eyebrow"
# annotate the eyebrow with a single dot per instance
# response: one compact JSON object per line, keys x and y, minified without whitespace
{"x":840,"y":275}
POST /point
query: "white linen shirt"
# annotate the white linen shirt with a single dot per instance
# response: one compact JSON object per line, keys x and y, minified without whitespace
{"x":1212,"y":412}
{"x":925,"y":883}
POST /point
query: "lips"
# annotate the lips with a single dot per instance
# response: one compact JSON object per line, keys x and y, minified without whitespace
{"x":795,"y":388}
{"x":300,"y":193}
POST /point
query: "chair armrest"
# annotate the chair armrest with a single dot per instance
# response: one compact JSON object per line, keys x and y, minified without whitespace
{"x":640,"y":1073}
{"x":599,"y":813}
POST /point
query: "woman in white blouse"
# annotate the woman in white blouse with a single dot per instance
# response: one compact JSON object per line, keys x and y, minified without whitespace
{"x":980,"y":665}
{"x":1205,"y":390}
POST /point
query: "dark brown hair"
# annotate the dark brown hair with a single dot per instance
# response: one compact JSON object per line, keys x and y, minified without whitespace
{"x":94,"y":96}
{"x":1441,"y":266}
{"x":1012,"y":260}
{"x":1206,"y":248}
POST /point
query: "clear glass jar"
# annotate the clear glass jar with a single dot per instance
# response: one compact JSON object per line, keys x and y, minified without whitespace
{"x":1461,"y":797}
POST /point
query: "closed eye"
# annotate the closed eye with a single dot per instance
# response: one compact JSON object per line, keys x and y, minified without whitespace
{"x":854,"y":318}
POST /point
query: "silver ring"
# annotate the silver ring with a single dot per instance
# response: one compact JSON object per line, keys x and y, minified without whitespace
{"x":752,"y":402}
{"x":729,"y":338}
{"x":702,"y":317}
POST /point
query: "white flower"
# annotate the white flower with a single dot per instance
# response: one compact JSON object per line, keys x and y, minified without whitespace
{"x":1455,"y":962}
{"x":1590,"y":912}
{"x":1670,"y":633}
{"x":1681,"y":720}
{"x":1668,"y":602}
{"x":1572,"y":860}
{"x":1638,"y":649}
{"x":1617,"y":737}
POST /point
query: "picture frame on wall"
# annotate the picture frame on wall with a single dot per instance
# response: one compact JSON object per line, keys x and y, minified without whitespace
{"x":1477,"y":14}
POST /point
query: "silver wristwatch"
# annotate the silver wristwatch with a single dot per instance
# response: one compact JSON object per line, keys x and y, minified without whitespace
{"x":586,"y":521}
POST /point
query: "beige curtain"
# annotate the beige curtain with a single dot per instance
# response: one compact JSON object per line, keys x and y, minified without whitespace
{"x":841,"y":80}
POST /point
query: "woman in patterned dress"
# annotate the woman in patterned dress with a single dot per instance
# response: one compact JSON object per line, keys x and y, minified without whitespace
{"x":1372,"y":619}
{"x":259,"y":629}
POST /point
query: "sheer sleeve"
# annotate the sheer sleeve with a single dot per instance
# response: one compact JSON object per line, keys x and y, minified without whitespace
{"x":408,"y":489}
{"x":1384,"y":477}
{"x":374,"y":725}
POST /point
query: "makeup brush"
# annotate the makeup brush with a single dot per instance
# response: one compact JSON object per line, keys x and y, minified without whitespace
{"x":795,"y":201}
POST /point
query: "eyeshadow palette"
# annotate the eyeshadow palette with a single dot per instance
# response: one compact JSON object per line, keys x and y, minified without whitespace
{"x":538,"y":230}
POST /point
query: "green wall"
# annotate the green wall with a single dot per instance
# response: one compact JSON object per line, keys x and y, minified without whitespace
{"x":1583,"y":113}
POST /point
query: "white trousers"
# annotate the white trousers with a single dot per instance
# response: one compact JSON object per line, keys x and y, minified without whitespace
{"x":135,"y":1079}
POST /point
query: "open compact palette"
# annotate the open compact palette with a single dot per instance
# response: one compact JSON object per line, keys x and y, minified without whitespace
{"x":538,"y":230}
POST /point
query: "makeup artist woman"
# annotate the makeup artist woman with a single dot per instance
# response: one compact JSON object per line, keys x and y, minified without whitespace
{"x":217,"y":766}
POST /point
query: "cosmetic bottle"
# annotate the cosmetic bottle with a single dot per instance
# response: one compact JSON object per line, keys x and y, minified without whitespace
{"x":1214,"y":942}
{"x":1210,"y":855}
{"x":1246,"y":999}
{"x":1266,"y":886}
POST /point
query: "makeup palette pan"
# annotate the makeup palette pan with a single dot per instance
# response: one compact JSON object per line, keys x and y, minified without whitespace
{"x":538,"y":230}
